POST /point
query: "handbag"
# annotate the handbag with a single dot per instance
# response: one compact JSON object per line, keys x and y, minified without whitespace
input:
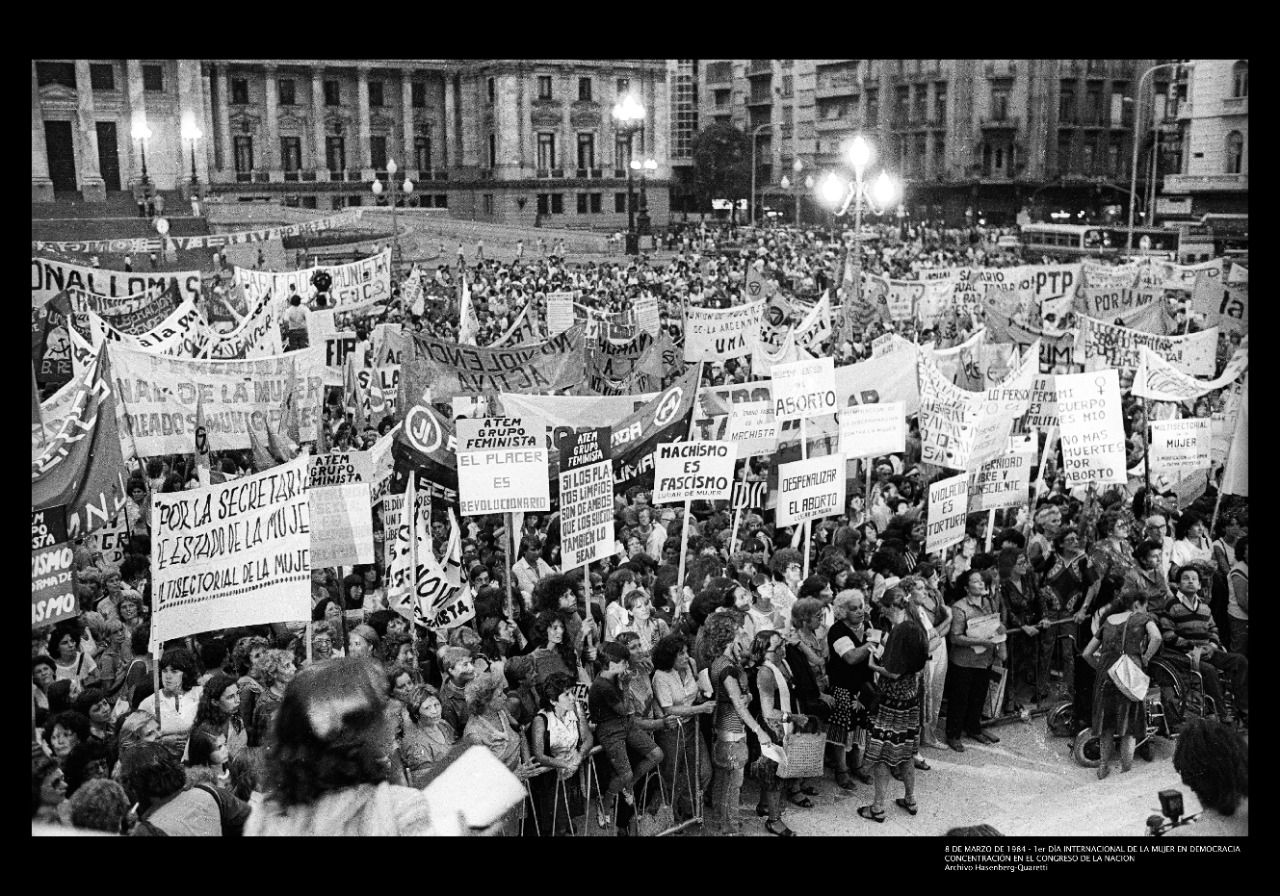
{"x":651,"y":825}
{"x":802,"y":754}
{"x":1126,"y":674}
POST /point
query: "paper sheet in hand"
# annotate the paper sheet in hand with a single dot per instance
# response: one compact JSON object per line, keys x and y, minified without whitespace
{"x":476,"y":785}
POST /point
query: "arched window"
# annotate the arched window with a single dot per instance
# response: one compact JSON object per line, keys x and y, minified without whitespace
{"x":1235,"y":152}
{"x":1240,"y":79}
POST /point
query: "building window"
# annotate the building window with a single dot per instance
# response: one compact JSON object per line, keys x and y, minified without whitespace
{"x":1064,"y":152}
{"x":1240,"y":79}
{"x":595,"y":203}
{"x":586,"y":150}
{"x":335,"y":154}
{"x":557,"y":203}
{"x":102,"y":76}
{"x":901,"y":99}
{"x":244,"y":154}
{"x":488,"y":203}
{"x":624,"y":85}
{"x":418,"y":95}
{"x":584,"y":90}
{"x":355,"y":200}
{"x":492,"y":89}
{"x":582,"y":203}
{"x":544,"y":87}
{"x":544,"y":203}
{"x":939,"y":154}
{"x":332,"y":97}
{"x":378,"y":152}
{"x":1093,"y":104}
{"x":288,"y":92}
{"x":63,"y":73}
{"x":919,"y":109}
{"x":291,"y":153}
{"x":153,"y":78}
{"x":442,"y":200}
{"x":239,"y":92}
{"x":546,"y":151}
{"x":940,"y":103}
{"x":788,"y":85}
{"x":375,"y":93}
{"x":1235,"y":153}
{"x":999,"y":103}
{"x":873,"y":107}
{"x":493,"y":151}
{"x":422,"y":153}
{"x":1115,"y":152}
{"x":622,"y":151}
{"x":620,"y":202}
{"x":1067,"y":102}
{"x":1087,"y":158}
{"x":723,"y":97}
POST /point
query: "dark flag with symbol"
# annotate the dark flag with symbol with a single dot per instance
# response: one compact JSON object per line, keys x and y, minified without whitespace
{"x":748,"y":495}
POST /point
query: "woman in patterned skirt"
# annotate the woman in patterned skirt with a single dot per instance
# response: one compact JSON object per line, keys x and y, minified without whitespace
{"x":848,"y":672}
{"x":894,"y":730}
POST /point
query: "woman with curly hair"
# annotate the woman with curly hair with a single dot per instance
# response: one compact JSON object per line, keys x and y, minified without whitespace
{"x":848,"y":652}
{"x":179,"y":698}
{"x":129,"y":609}
{"x":649,"y":629}
{"x":620,"y":581}
{"x":425,"y":737}
{"x":219,"y":713}
{"x":327,"y":774}
{"x":1213,"y":760}
{"x":154,"y":778}
{"x":329,"y":610}
{"x":64,"y":731}
{"x":552,"y":652}
{"x":772,"y":703}
{"x":490,"y":726}
{"x":246,"y":659}
{"x":48,"y":790}
{"x":278,"y":669}
{"x":560,"y":740}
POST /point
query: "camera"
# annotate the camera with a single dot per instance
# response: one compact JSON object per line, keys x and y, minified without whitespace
{"x":1172,"y":808}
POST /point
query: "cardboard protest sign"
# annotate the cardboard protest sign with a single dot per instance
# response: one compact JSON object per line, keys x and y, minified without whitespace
{"x":339,"y":468}
{"x":560,"y":316}
{"x":453,"y":369}
{"x":502,"y":465}
{"x":160,"y":395}
{"x":647,"y":317}
{"x":1042,"y":411}
{"x":810,"y":489}
{"x":49,"y":277}
{"x":692,"y":471}
{"x":354,"y":285}
{"x":715,"y":334}
{"x":804,"y":389}
{"x":948,"y":508}
{"x":110,"y":540}
{"x":946,"y":415}
{"x":232,"y":554}
{"x":1004,"y":481}
{"x":53,"y":596}
{"x":753,"y":427}
{"x":990,"y":436}
{"x":1106,"y":345}
{"x":870,"y":430}
{"x":341,"y":525}
{"x":1180,"y":444}
{"x":586,"y":498}
{"x":1093,"y":444}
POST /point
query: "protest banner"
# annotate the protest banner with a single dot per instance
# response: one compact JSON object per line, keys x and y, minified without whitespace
{"x":902,"y":297}
{"x":1235,"y":477}
{"x":1223,"y":305}
{"x":336,"y":348}
{"x":1183,"y":276}
{"x":257,"y":336}
{"x":804,"y":388}
{"x":1093,"y":444}
{"x":775,"y":321}
{"x":1099,"y":275}
{"x":339,"y":468}
{"x":82,"y":467}
{"x":110,"y":540}
{"x":1158,"y":380}
{"x":160,"y":395}
{"x":560,"y":316}
{"x":1139,"y":309}
{"x":647,"y":318}
{"x":814,"y":330}
{"x":51,"y":344}
{"x":133,"y":320}
{"x":502,"y":465}
{"x":232,"y":554}
{"x":693,"y":471}
{"x":810,"y":489}
{"x":140,"y":245}
{"x":714,"y":334}
{"x":990,"y":436}
{"x":48,"y":527}
{"x":1042,"y":411}
{"x":49,"y":277}
{"x":184,"y":334}
{"x":946,"y":414}
{"x":354,"y":285}
{"x":453,"y":369}
{"x":622,"y":367}
{"x":948,"y":507}
{"x":870,"y":430}
{"x":1004,"y":481}
{"x":752,"y":426}
{"x":586,"y":497}
{"x":53,"y":596}
{"x":1106,"y":345}
{"x":1180,"y":444}
{"x":884,"y":344}
{"x":341,"y":525}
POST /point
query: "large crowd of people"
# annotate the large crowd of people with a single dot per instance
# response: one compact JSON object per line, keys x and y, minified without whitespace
{"x":626,"y":692}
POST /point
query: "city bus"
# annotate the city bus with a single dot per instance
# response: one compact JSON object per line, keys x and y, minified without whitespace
{"x":1082,"y":240}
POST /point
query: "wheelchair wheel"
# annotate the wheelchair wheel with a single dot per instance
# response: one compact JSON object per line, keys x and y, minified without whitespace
{"x":1061,"y":720}
{"x":1086,"y":749}
{"x":1145,"y":751}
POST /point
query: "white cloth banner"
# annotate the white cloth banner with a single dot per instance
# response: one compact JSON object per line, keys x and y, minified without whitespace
{"x":1105,"y":345}
{"x":1004,"y":481}
{"x":184,"y":333}
{"x":49,"y":277}
{"x":341,"y":525}
{"x":231,"y":555}
{"x":560,"y":314}
{"x":715,"y":334}
{"x":1158,"y":380}
{"x":257,"y":336}
{"x":355,"y":285}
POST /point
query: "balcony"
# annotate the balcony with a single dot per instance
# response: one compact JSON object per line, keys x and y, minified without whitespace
{"x":1000,"y":122}
{"x":760,"y":67}
{"x":760,"y":98}
{"x":720,"y":73}
{"x":1235,"y":105}
{"x":1206,"y":183}
{"x":843,"y":86}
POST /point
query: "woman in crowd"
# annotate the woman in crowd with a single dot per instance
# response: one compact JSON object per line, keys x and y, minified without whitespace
{"x":648,"y":628}
{"x":246,"y":659}
{"x":72,"y":661}
{"x":621,"y":581}
{"x":1238,"y":598}
{"x":179,"y":698}
{"x":330,"y":610}
{"x":1127,"y":630}
{"x":490,"y":726}
{"x":1112,"y":559}
{"x":425,"y":737}
{"x":1027,"y":623}
{"x":219,"y":713}
{"x":1191,"y":542}
{"x":112,"y":659}
{"x":321,"y":642}
{"x":772,"y":703}
{"x":327,"y":771}
{"x":129,"y":609}
{"x":362,"y":640}
{"x":64,"y":731}
{"x":728,"y":643}
{"x":209,"y":769}
{"x":560,"y":740}
{"x":278,"y":668}
{"x":1213,"y":761}
{"x":685,"y":758}
{"x":1069,"y":574}
{"x":154,"y":778}
{"x":552,"y":653}
{"x":935,"y":616}
{"x":48,"y":790}
{"x":850,"y":675}
{"x":894,"y":727}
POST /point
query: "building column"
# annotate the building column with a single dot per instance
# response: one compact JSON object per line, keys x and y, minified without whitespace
{"x":448,"y":131}
{"x":408,"y":157}
{"x":318,"y":150}
{"x":189,"y":104}
{"x":208,"y":124}
{"x":138,"y":106}
{"x":41,"y":185}
{"x":660,"y":149}
{"x":569,"y":142}
{"x":604,"y":152}
{"x":92,"y":187}
{"x":222,"y":75}
{"x":272,"y":154}
{"x":362,"y":112}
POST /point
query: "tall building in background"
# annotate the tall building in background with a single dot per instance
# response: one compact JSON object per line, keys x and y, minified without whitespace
{"x":1211,"y":170}
{"x":516,"y":141}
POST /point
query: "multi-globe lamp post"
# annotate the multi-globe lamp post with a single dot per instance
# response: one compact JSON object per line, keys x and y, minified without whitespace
{"x":404,"y":188}
{"x":800,"y":186}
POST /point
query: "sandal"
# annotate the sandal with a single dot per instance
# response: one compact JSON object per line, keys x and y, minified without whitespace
{"x":799,"y":799}
{"x":912,"y":808}
{"x":785,"y":832}
{"x":923,"y":766}
{"x":870,"y":814}
{"x":845,"y":781}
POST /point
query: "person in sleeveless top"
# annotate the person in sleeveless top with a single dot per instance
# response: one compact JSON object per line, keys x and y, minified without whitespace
{"x":1126,"y":630}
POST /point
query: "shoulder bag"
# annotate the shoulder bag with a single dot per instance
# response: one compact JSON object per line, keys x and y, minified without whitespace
{"x":1126,"y":674}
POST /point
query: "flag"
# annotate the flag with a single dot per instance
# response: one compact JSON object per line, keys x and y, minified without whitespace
{"x":521,"y":330}
{"x":282,"y":448}
{"x":201,"y":445}
{"x":375,"y":400}
{"x":400,"y":546}
{"x":1235,"y":481}
{"x":467,"y":322}
{"x":352,"y":394}
{"x":37,"y":420}
{"x":459,"y":605}
{"x":262,"y":459}
{"x":289,"y":413}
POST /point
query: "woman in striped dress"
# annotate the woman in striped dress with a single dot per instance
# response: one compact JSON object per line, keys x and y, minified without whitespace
{"x":894,"y":733}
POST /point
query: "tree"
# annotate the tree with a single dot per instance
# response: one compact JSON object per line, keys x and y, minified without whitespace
{"x":721,"y":164}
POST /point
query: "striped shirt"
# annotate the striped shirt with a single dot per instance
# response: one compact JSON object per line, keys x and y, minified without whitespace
{"x":1184,"y":628}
